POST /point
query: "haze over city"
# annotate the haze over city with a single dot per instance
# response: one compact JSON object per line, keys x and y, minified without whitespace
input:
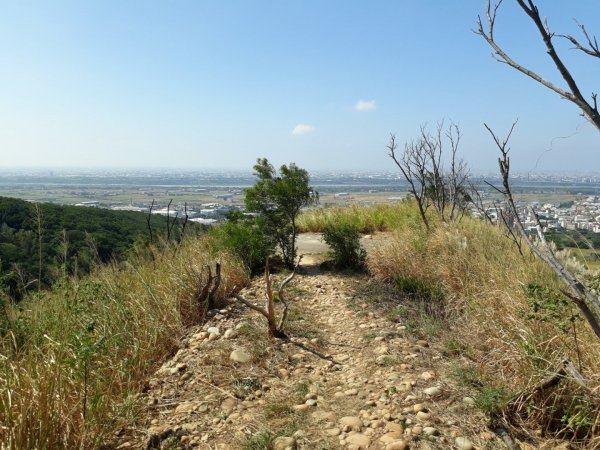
{"x":207,"y":85}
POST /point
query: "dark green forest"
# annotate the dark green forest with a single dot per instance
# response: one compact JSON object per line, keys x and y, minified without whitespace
{"x":73,"y":239}
{"x":574,"y":239}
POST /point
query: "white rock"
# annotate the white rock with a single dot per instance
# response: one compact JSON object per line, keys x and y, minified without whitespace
{"x":463,"y":443}
{"x":213,"y":330}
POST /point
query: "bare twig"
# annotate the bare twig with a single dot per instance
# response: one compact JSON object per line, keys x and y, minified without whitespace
{"x":592,"y":49}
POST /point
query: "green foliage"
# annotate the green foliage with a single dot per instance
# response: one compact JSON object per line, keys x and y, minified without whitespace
{"x":262,"y":440}
{"x":74,"y":239}
{"x":580,"y":417}
{"x":546,"y":305}
{"x":344,"y":241}
{"x":246,"y":238}
{"x":491,"y":399}
{"x":420,"y":289}
{"x":278,"y":198}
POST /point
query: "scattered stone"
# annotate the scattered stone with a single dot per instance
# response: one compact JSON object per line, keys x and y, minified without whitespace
{"x":468,"y":401}
{"x":361,"y":440}
{"x":311,"y":402}
{"x":301,"y":408}
{"x":432,"y":391}
{"x":393,"y":426}
{"x":240,"y":356}
{"x":230,"y":334}
{"x":487,"y":436}
{"x":419,"y":407}
{"x":228,"y":405}
{"x":185,"y":407}
{"x":377,"y":424}
{"x":423,"y":416}
{"x":213,"y":336}
{"x":351,"y":392}
{"x":428,"y":375}
{"x":390,"y":437}
{"x":284,"y":443}
{"x":333,"y":431}
{"x":353,"y":422}
{"x":213,"y":330}
{"x":463,"y":443}
{"x":397,"y":445}
{"x":430,"y":431}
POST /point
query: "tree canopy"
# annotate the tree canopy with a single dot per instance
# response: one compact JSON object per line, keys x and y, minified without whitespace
{"x":278,"y":197}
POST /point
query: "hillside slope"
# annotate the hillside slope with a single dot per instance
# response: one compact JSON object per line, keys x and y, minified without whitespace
{"x":72,"y":237}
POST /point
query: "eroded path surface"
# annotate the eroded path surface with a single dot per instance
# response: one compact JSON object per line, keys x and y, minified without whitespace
{"x":386,"y":388}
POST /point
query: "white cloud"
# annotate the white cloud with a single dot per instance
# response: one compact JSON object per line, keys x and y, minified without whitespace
{"x":365,"y":105}
{"x":302,"y":129}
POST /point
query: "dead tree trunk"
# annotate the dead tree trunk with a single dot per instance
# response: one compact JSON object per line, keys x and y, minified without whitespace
{"x":275,"y":330}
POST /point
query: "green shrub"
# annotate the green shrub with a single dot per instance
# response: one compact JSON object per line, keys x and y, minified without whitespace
{"x":246,"y":238}
{"x":346,"y":250}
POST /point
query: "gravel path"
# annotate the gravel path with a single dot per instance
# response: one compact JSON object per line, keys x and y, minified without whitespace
{"x":230,"y":388}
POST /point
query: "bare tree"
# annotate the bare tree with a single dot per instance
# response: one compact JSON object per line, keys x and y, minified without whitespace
{"x":589,"y":109}
{"x":587,"y":302}
{"x":422,"y":165}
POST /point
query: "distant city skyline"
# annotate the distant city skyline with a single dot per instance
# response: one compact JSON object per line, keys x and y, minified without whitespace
{"x":215,"y":85}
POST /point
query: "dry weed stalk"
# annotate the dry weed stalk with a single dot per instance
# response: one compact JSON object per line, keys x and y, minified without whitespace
{"x":205,"y":295}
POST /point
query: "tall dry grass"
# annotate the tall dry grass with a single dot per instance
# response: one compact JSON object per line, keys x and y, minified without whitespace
{"x":368,"y":219}
{"x":75,"y":356}
{"x":488,"y":302}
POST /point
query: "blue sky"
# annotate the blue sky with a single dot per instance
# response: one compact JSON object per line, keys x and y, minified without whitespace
{"x":216,"y":84}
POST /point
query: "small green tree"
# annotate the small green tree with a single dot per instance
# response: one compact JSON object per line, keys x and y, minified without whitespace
{"x":278,"y":198}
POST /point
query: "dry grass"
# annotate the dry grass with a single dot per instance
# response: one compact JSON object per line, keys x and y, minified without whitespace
{"x":486,"y":286}
{"x":369,"y":219}
{"x":74,"y":357}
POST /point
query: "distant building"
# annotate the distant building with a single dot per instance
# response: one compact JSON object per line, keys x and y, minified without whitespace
{"x":92,"y":204}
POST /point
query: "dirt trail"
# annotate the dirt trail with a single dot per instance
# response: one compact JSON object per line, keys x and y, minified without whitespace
{"x":229,"y":388}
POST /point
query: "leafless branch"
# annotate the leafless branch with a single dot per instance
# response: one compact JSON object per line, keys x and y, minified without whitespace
{"x":592,"y":48}
{"x":573,"y":94}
